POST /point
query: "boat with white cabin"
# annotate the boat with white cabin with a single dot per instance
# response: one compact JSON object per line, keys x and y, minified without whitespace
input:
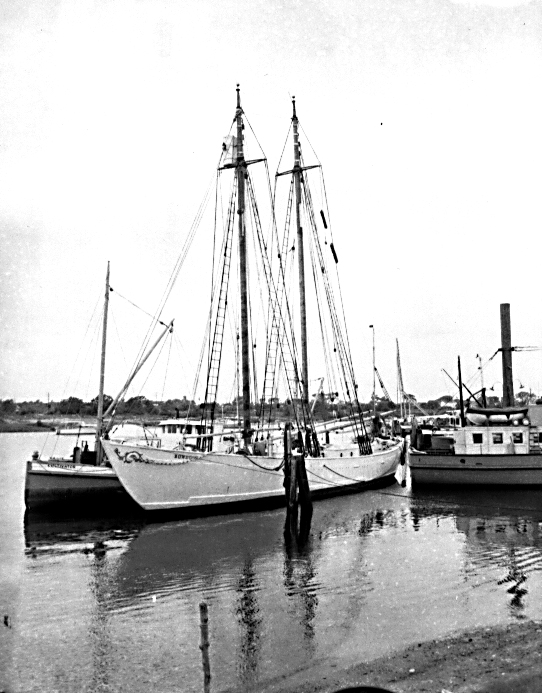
{"x":481,"y":445}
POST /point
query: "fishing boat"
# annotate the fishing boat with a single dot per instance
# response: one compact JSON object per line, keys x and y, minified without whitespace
{"x":76,"y":428}
{"x":481,"y":445}
{"x":246,"y":464}
{"x":86,"y":475}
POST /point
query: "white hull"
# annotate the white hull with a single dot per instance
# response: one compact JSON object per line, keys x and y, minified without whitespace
{"x":472,"y":469}
{"x":55,"y":481}
{"x":82,"y":431}
{"x":159,"y":479}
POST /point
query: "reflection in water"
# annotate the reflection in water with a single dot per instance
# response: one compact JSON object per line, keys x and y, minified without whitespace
{"x":517,"y":577}
{"x":299,"y":580}
{"x":250,"y":622}
{"x":378,"y":571}
{"x":99,"y":631}
{"x":502,"y":529}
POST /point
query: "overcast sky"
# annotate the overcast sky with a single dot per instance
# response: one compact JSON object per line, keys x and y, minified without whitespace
{"x":424,"y":113}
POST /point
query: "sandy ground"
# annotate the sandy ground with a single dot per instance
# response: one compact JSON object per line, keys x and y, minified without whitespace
{"x":492,"y":660}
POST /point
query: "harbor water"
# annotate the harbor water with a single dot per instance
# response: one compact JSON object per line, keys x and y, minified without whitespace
{"x":109,"y":603}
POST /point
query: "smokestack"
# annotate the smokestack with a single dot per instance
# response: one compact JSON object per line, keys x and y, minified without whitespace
{"x":506,"y":349}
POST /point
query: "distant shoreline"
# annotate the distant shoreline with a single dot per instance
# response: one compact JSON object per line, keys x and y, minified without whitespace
{"x":12,"y":425}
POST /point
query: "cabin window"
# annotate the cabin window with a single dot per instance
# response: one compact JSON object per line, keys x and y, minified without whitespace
{"x":189,"y":428}
{"x":477,"y":438}
{"x":540,"y":437}
{"x":497,"y":438}
{"x":171,"y":429}
{"x":517,"y":437}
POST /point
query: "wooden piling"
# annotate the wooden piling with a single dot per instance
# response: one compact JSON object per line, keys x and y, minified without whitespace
{"x":204,"y":646}
{"x":303,"y":483}
{"x":297,"y":491}
{"x":305,"y":501}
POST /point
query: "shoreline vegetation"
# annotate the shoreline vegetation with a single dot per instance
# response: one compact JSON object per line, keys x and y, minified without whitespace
{"x":22,"y":425}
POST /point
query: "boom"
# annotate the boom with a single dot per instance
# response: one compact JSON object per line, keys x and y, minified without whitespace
{"x":386,"y":393}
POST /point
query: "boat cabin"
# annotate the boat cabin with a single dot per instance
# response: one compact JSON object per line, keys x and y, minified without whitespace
{"x":178,"y":426}
{"x":492,"y":440}
{"x":488,"y":432}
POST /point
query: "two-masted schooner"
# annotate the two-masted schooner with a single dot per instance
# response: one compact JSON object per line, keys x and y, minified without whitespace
{"x":246,"y":464}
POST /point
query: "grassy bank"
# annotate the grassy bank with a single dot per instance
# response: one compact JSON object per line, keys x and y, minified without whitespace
{"x":21,"y":425}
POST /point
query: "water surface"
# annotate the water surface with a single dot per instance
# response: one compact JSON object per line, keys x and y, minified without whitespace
{"x":381,"y":570}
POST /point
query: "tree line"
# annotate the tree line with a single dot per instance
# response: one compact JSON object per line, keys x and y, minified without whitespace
{"x":142,"y":406}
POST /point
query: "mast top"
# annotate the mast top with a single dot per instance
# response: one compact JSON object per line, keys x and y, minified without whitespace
{"x":238,"y":97}
{"x":294,"y":116}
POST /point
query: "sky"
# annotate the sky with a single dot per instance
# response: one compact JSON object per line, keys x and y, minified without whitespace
{"x":425,"y":115}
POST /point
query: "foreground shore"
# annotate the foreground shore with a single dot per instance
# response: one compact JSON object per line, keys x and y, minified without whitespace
{"x":489,"y":660}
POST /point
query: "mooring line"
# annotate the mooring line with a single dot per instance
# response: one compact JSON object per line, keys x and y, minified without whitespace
{"x":339,"y":474}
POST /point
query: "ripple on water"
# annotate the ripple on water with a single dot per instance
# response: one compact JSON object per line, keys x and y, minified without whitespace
{"x":381,"y":570}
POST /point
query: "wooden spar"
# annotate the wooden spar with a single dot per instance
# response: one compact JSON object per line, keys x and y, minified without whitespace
{"x":461,"y":403}
{"x":114,"y":403}
{"x":240,"y":173}
{"x":506,"y":348}
{"x":300,"y":259}
{"x":100,"y":413}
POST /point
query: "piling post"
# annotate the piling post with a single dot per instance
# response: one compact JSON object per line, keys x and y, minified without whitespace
{"x":506,"y":349}
{"x":290,"y":482}
{"x":305,"y":501}
{"x":292,"y":490}
{"x":204,"y":646}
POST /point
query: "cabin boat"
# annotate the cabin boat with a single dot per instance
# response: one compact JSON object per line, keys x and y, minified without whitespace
{"x":77,"y":429}
{"x":86,"y":475}
{"x":486,"y":453}
{"x":490,"y":446}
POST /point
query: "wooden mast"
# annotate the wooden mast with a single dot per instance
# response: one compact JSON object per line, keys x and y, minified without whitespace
{"x":100,"y":413}
{"x":297,"y":172}
{"x":241,"y":173}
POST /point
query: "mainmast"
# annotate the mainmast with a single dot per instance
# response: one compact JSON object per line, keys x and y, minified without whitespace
{"x":240,"y":174}
{"x":297,"y":173}
{"x":100,"y":413}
